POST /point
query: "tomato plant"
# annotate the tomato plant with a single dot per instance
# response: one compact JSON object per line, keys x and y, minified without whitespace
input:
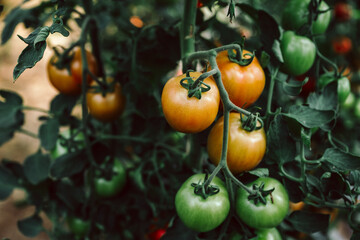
{"x":108,"y":187}
{"x":299,"y":53}
{"x":189,"y":114}
{"x":343,"y":89}
{"x":296,"y":13}
{"x":106,"y":105}
{"x":244,"y":84}
{"x":245,"y":150}
{"x":76,"y":65}
{"x":201,"y":214}
{"x":259,"y":215}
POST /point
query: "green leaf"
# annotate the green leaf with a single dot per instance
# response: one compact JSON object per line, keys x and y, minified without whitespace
{"x":309,"y":117}
{"x":326,"y":100}
{"x":48,"y":133}
{"x":260,"y":172}
{"x":7,"y":183}
{"x":68,"y":164}
{"x":340,"y":160}
{"x":11,"y":115}
{"x":277,"y":50}
{"x":29,"y":57}
{"x":30,"y":226}
{"x":58,"y":27}
{"x":281,"y":147}
{"x":309,"y":222}
{"x":292,"y":87}
{"x":12,"y":19}
{"x":41,"y":36}
{"x":71,"y":195}
{"x":36,"y":168}
{"x":63,"y":104}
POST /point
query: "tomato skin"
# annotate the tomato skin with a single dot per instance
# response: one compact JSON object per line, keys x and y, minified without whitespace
{"x":244,"y":84}
{"x":308,"y":87}
{"x":245,"y":149}
{"x":295,"y":15}
{"x":62,"y":79}
{"x":199,"y":4}
{"x":60,"y":149}
{"x":357,"y":109}
{"x":263,"y":216}
{"x":268,"y":234}
{"x":110,"y":187}
{"x":76,"y":65}
{"x":342,"y":45}
{"x":201,"y":214}
{"x":343,"y":89}
{"x":78,"y":226}
{"x":342,"y":11}
{"x":189,"y":115}
{"x":349,"y":102}
{"x":298,"y":52}
{"x":157,"y":234}
{"x":109,"y":107}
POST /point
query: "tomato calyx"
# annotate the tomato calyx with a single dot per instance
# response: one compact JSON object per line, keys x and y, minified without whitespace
{"x":259,"y":194}
{"x":203,"y":190}
{"x":195,"y":88}
{"x":239,"y":58}
{"x":249,"y":123}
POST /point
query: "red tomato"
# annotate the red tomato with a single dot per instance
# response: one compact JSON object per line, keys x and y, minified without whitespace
{"x":76,"y":65}
{"x":309,"y":87}
{"x":342,"y":11}
{"x":342,"y":45}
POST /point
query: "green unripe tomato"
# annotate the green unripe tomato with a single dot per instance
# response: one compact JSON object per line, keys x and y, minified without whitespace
{"x":357,"y":109}
{"x":60,"y":146}
{"x":197,"y":213}
{"x":349,"y":102}
{"x":343,"y":89}
{"x":298,"y":52}
{"x":78,"y":226}
{"x":110,"y":187}
{"x":268,"y":234}
{"x":296,"y":13}
{"x":259,"y":215}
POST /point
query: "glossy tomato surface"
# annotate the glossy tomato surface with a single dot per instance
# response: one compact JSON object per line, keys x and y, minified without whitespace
{"x":268,"y":234}
{"x":67,"y":142}
{"x":245,"y":149}
{"x":244,"y":84}
{"x":189,"y":114}
{"x":78,"y":226}
{"x":62,"y":79}
{"x":108,"y":107}
{"x":110,"y":187}
{"x":299,"y":53}
{"x":259,"y":215}
{"x":201,"y":214}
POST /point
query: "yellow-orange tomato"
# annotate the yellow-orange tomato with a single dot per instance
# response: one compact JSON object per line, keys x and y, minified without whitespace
{"x":76,"y":65}
{"x":244,"y":84}
{"x":245,"y":149}
{"x":61,"y":79}
{"x":106,"y":108}
{"x":189,"y":114}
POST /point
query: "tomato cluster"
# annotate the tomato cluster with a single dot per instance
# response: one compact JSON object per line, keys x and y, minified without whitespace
{"x":68,"y":79}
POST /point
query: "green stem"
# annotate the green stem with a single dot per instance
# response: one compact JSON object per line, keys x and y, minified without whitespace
{"x":292,"y":178}
{"x":35,"y":109}
{"x":271,"y":93}
{"x":187,"y":29}
{"x":302,"y":161}
{"x":311,"y":199}
{"x":26,"y":132}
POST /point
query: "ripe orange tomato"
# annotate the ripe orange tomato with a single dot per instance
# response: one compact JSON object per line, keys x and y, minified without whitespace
{"x":245,"y":149}
{"x":189,"y":114}
{"x":244,"y":84}
{"x":109,"y":107}
{"x":76,"y":65}
{"x":61,"y":79}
